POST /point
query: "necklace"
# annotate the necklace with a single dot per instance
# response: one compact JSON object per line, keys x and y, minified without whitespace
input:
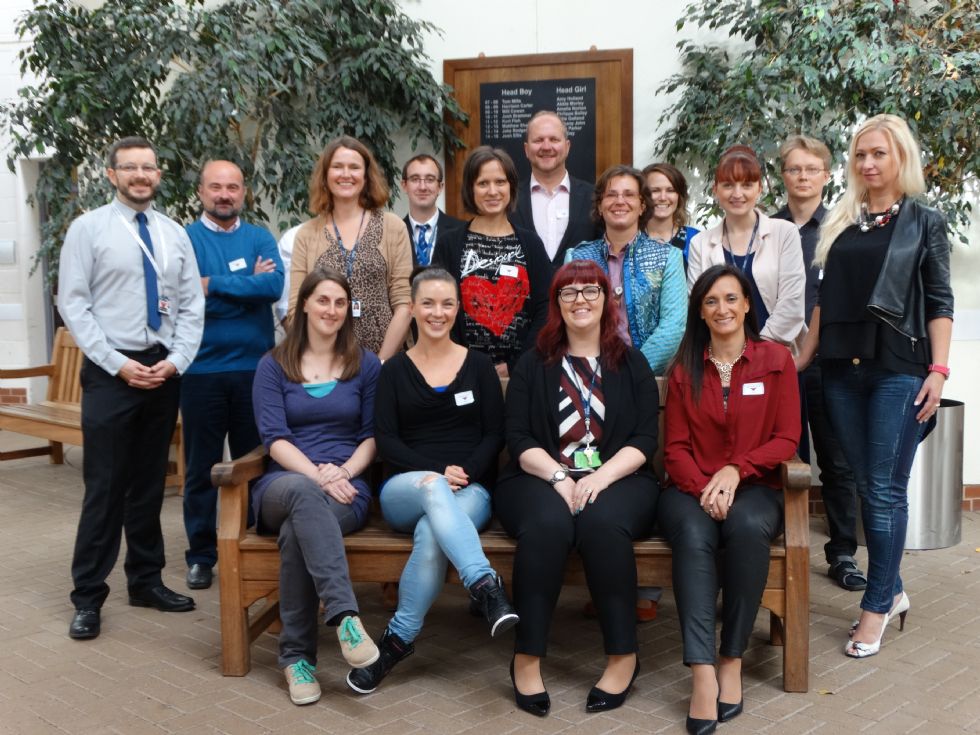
{"x":725,"y":368}
{"x":880,"y":220}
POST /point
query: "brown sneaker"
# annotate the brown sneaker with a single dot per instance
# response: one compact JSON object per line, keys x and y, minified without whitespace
{"x":356,"y":645}
{"x":303,"y":686}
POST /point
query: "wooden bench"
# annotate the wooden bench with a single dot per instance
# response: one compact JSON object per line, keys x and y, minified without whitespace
{"x":58,"y":418}
{"x":248,"y":568}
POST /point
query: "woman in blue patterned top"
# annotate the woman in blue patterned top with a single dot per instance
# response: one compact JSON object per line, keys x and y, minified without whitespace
{"x":314,"y":406}
{"x":647,"y":276}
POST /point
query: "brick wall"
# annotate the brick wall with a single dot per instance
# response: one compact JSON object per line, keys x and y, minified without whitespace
{"x":971,"y":499}
{"x":13,"y":395}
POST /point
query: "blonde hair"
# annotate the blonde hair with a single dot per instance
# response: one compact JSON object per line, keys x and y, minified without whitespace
{"x":910,"y":179}
{"x":807,"y":144}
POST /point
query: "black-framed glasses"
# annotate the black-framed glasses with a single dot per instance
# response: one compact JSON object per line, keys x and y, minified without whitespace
{"x":569,"y":294}
{"x":415,"y":180}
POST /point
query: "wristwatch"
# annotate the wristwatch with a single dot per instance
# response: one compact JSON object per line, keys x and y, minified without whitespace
{"x":559,"y":475}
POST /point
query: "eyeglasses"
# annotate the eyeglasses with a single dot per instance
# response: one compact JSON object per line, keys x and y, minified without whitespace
{"x":132,"y":168}
{"x":430,"y":180}
{"x":810,"y":170}
{"x":569,"y":294}
{"x":629,"y":196}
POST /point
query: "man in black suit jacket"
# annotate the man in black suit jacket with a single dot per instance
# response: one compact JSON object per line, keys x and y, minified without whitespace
{"x":422,"y":181}
{"x":563,"y":203}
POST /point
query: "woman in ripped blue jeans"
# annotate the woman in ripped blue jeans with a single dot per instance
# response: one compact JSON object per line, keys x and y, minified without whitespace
{"x":883,"y":326}
{"x":439,"y":418}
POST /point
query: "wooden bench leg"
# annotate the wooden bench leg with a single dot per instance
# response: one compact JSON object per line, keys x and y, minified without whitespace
{"x":236,"y":657}
{"x":796,"y":650}
{"x":57,"y":452}
{"x":775,"y":630}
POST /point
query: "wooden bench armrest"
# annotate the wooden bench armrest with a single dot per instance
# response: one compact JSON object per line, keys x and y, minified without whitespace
{"x":29,"y":372}
{"x":796,"y":496}
{"x":232,"y":480}
{"x":245,"y":468}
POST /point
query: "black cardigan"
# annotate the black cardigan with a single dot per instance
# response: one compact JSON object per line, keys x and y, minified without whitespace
{"x":449,"y":256}
{"x":632,"y":402}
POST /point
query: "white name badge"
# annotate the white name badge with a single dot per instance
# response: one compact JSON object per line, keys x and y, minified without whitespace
{"x":465,"y":398}
{"x":753,"y":389}
{"x":561,"y":214}
{"x":237,"y":265}
{"x":508,"y":270}
{"x":355,"y":308}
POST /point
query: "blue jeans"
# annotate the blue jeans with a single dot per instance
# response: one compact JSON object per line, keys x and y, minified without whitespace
{"x":445,"y":526}
{"x":873,"y":416}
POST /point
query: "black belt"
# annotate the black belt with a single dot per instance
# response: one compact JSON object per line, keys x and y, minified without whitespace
{"x":156,"y":349}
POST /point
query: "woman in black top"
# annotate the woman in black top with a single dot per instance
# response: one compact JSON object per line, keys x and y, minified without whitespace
{"x":438,"y":424}
{"x":503,"y":271}
{"x":581,"y":430}
{"x":884,"y":324}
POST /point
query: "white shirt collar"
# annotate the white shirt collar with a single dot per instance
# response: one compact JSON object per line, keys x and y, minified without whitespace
{"x":431,"y":222}
{"x":565,"y":183}
{"x":215,"y":227}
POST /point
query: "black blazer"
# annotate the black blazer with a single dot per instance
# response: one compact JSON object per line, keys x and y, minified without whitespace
{"x":539,"y":271}
{"x":580,"y":228}
{"x":443,"y":224}
{"x":631,"y":397}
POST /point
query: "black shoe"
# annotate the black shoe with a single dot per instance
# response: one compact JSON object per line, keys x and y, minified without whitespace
{"x":199,"y":576}
{"x":489,"y":596}
{"x":727,"y":711}
{"x":600,"y":701}
{"x":162,"y":598}
{"x":844,"y":570}
{"x":87,"y":623}
{"x":392,"y":649}
{"x":537,"y":704}
{"x":700,"y":727}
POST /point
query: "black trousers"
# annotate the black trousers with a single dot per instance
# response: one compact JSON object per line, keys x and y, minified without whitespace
{"x":531,"y":511}
{"x":126,"y":436}
{"x":755,"y":518}
{"x":212,"y":405}
{"x":839,"y":490}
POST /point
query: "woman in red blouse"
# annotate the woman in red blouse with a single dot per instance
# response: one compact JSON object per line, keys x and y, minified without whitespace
{"x":732,"y":416}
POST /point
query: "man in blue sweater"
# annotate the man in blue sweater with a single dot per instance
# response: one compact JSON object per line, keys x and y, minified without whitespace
{"x":242,"y":277}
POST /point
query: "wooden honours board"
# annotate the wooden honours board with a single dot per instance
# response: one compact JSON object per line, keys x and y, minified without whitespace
{"x":591,"y":90}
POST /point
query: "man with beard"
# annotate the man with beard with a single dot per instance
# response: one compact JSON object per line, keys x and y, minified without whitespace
{"x":130,"y":293}
{"x":242,"y":277}
{"x":553,"y":203}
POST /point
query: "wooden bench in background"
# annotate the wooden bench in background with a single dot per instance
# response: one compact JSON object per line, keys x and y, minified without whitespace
{"x":248,"y":567}
{"x":58,"y":418}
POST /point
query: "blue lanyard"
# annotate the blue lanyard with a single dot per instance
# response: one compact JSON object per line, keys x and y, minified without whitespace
{"x":729,"y":255}
{"x":348,"y":257}
{"x":586,"y":400}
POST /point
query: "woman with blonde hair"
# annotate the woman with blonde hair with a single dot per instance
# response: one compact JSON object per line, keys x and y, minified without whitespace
{"x":352,"y":233}
{"x":883,"y":326}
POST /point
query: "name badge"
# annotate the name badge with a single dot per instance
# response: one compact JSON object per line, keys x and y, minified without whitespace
{"x":753,"y":389}
{"x":464,"y":398}
{"x":237,"y":265}
{"x":163,"y":305}
{"x":508,"y":270}
{"x":355,"y":308}
{"x":561,"y":214}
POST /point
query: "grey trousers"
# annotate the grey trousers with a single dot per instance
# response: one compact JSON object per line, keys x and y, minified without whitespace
{"x":313,"y":566}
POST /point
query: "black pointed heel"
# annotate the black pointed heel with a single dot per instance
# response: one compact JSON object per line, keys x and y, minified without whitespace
{"x":537,"y":704}
{"x":600,"y":701}
{"x":728,"y":711}
{"x":700,"y":727}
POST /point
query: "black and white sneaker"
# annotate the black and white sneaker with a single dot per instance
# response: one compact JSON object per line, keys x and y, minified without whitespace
{"x":392,"y":649}
{"x":489,"y":598}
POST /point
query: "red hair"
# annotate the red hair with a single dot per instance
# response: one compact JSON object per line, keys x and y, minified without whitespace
{"x":738,"y":164}
{"x":553,"y":339}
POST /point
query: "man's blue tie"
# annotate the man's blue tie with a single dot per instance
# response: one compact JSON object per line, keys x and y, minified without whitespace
{"x":149,"y":277}
{"x":422,"y":246}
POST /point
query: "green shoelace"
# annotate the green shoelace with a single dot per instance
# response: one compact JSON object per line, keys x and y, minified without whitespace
{"x":303,"y":672}
{"x":349,"y":633}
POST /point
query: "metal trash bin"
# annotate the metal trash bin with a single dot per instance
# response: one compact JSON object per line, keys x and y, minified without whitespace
{"x":936,"y":484}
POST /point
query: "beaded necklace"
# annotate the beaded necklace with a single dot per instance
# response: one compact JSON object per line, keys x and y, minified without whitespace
{"x":866,"y":223}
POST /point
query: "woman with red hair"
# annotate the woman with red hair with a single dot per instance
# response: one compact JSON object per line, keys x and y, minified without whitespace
{"x":581,"y":430}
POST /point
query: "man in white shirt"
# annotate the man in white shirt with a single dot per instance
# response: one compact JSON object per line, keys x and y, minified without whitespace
{"x":554,"y":203}
{"x":422,"y":182}
{"x":130,"y":293}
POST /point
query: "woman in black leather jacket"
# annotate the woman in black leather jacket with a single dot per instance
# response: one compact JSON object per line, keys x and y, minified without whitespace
{"x":883,"y":324}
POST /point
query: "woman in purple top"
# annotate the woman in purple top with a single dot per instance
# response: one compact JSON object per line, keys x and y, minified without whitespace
{"x":314,"y":406}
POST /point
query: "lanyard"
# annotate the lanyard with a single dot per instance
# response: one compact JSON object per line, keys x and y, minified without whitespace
{"x":161,"y":243}
{"x":586,"y":400}
{"x":729,"y":255}
{"x":348,"y":257}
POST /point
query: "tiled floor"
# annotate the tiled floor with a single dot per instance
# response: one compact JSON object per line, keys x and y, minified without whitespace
{"x":152,"y":672}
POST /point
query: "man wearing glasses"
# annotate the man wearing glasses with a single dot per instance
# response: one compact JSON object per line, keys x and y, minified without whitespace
{"x":422,"y":181}
{"x":806,"y":171}
{"x":130,"y":293}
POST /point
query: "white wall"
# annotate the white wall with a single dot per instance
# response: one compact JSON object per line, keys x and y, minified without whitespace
{"x":502,"y":28}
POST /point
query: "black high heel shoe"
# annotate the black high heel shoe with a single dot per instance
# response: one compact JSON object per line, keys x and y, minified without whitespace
{"x":600,"y":701}
{"x":537,"y":704}
{"x":700,"y":727}
{"x":728,"y":711}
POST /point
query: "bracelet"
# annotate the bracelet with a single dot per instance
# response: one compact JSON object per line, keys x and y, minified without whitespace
{"x":347,"y":471}
{"x":941,"y":369}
